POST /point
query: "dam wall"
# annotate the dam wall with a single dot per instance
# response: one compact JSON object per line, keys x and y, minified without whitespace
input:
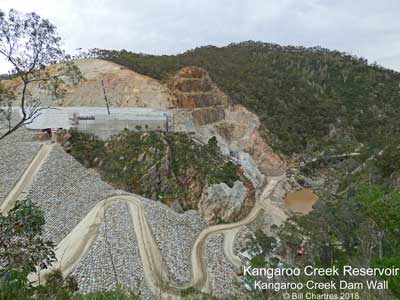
{"x":101,"y":122}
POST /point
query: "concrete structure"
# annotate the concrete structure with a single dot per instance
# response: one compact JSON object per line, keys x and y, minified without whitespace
{"x":96,"y":120}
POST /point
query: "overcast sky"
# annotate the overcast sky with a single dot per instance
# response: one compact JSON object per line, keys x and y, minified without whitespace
{"x":367,"y":28}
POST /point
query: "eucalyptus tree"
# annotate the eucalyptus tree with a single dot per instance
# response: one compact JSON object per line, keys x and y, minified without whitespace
{"x":30,"y":44}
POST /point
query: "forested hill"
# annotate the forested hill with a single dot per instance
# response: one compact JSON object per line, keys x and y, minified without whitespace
{"x":310,"y":99}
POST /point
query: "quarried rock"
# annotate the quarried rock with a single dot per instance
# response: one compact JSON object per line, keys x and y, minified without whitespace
{"x":220,"y":203}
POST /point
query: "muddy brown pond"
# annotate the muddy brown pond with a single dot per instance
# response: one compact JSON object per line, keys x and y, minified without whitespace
{"x":301,"y":201}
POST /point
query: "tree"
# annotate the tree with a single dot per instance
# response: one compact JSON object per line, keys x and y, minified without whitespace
{"x":6,"y":97}
{"x":22,"y":247}
{"x":30,"y":44}
{"x":381,"y":210}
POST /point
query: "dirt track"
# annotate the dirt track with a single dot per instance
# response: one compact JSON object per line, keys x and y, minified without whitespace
{"x":75,"y":245}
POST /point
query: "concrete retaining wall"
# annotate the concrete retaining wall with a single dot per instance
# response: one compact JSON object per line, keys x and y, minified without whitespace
{"x":108,"y":126}
{"x":98,"y":121}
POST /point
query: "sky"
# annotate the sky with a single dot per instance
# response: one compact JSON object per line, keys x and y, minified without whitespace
{"x":366,"y":28}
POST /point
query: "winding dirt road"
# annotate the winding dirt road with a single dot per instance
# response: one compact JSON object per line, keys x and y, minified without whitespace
{"x":76,"y":244}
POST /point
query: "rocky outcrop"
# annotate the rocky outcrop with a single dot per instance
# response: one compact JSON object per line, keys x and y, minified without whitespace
{"x":246,"y":135}
{"x":240,"y":132}
{"x":159,"y":179}
{"x":193,"y":87}
{"x":221,"y":203}
{"x":250,"y":169}
{"x":161,"y":183}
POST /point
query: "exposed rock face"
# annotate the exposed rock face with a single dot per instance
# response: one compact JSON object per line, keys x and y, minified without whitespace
{"x":269,"y":162}
{"x":246,"y":136}
{"x":160,"y":180}
{"x":239,"y":132}
{"x":177,"y":207}
{"x":208,"y":115}
{"x":250,"y":169}
{"x":160,"y":177}
{"x":193,"y":87}
{"x":222,"y":203}
{"x":123,"y":87}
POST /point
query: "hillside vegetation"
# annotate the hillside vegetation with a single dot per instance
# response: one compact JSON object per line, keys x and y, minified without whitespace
{"x":358,"y":226}
{"x":310,"y":99}
{"x":168,"y":167}
{"x":321,"y":104}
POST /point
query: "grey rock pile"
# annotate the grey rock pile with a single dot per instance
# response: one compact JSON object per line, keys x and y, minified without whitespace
{"x":250,"y":169}
{"x":66,"y":192}
{"x":242,"y":240}
{"x":114,"y":256}
{"x":221,"y":200}
{"x":16,"y":152}
{"x":222,"y":277}
{"x":175,"y":234}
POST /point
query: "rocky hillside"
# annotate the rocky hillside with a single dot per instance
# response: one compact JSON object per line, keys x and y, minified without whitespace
{"x":170,"y":168}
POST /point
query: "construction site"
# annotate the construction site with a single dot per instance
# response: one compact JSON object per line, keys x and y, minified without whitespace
{"x":101,"y":121}
{"x":153,"y":245}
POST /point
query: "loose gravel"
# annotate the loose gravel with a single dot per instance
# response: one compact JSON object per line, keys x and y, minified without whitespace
{"x":175,"y":235}
{"x":66,"y":192}
{"x":16,"y":152}
{"x":222,"y":277}
{"x":114,"y":257}
{"x":242,"y":240}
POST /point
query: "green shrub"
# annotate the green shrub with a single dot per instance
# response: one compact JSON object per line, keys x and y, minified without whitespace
{"x":227,"y":173}
{"x":394,"y":281}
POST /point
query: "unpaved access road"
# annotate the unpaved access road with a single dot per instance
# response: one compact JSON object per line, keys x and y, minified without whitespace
{"x":76,"y":244}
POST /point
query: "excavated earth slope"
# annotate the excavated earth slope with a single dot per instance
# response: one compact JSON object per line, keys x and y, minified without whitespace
{"x":124,"y":88}
{"x":193,"y":87}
